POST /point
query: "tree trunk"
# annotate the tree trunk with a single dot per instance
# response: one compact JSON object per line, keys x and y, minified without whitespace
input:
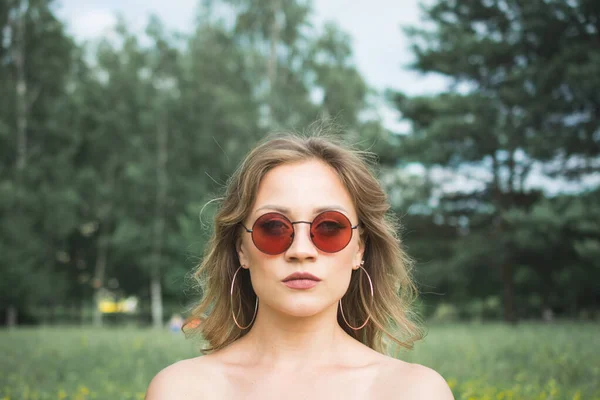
{"x":11,"y":316}
{"x":73,"y":314}
{"x":99,"y":272}
{"x":274,"y":32}
{"x":103,"y":214}
{"x":21,"y":101}
{"x":81,"y":312}
{"x":159,"y":221}
{"x":505,"y":264}
{"x":22,"y":109}
{"x":272,"y":65}
{"x":156,"y":301}
{"x":509,"y":293}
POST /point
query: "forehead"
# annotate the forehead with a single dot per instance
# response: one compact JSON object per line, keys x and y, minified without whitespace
{"x":303,"y":187}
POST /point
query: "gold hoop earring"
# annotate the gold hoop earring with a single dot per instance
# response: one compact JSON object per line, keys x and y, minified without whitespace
{"x":372,"y":295}
{"x":231,"y":299}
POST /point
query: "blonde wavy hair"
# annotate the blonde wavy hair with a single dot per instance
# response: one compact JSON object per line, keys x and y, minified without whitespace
{"x":385,"y":260}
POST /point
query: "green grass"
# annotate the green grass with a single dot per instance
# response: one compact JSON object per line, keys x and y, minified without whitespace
{"x":529,"y":361}
{"x":496,"y":362}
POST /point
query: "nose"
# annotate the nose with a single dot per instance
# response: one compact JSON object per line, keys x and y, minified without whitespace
{"x":302,"y":248}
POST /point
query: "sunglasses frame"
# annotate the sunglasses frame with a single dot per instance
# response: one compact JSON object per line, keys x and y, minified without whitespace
{"x":250,"y":231}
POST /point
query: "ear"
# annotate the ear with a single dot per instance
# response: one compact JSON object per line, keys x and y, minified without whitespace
{"x":242,"y":253}
{"x":360,"y":253}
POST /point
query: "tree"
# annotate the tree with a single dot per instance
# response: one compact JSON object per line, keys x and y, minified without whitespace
{"x":524,"y":94}
{"x":344,"y":90}
{"x":37,"y":57}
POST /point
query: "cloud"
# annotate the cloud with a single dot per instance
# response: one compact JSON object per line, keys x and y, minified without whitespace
{"x":91,"y":24}
{"x":381,"y":50}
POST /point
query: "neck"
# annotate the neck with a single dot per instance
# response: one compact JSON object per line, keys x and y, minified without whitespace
{"x":282,"y":341}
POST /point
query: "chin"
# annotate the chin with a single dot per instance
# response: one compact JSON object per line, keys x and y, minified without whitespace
{"x":296,"y":306}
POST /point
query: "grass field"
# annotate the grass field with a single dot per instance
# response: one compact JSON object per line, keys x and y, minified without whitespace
{"x":491,"y":362}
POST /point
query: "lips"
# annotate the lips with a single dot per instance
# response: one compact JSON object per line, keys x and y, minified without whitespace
{"x":301,"y":276}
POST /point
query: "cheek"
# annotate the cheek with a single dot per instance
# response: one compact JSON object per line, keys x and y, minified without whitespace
{"x":265,"y":281}
{"x":339,"y":274}
{"x":343,"y":273}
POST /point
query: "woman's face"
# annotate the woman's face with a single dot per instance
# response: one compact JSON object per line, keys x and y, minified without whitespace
{"x":300,"y":191}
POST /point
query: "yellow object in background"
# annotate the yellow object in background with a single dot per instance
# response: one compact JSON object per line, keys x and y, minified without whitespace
{"x":108,"y":307}
{"x":127,"y":305}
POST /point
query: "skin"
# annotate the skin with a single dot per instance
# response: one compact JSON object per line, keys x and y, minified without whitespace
{"x":296,"y":349}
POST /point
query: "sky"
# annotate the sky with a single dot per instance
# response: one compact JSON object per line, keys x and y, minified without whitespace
{"x":381,"y":50}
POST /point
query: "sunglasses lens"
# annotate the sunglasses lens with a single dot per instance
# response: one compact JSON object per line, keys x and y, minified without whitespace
{"x":331,"y":231}
{"x":272,"y":233}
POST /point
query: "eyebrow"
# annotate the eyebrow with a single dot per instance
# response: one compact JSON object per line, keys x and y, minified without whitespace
{"x":285,"y":210}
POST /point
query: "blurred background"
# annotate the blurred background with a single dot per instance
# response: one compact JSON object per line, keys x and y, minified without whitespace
{"x":120,"y":120}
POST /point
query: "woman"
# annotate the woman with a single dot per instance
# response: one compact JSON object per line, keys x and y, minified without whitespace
{"x":305,"y":286}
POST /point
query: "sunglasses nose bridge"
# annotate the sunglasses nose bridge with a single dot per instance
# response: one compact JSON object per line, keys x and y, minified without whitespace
{"x":296,"y":235}
{"x":310,"y":234}
{"x":301,"y":222}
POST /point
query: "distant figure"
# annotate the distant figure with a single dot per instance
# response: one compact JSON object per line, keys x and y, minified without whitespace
{"x":304,"y":283}
{"x":175,"y":323}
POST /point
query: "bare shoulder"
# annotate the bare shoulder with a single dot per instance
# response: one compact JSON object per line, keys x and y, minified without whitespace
{"x":184,"y":379}
{"x":427,"y":384}
{"x":414,"y":381}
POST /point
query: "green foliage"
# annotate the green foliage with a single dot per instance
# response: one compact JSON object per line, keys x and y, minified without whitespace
{"x":513,"y":112}
{"x":128,"y":136}
{"x":37,"y":203}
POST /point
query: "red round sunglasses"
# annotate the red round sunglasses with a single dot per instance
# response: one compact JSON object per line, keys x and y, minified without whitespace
{"x":273,"y":233}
